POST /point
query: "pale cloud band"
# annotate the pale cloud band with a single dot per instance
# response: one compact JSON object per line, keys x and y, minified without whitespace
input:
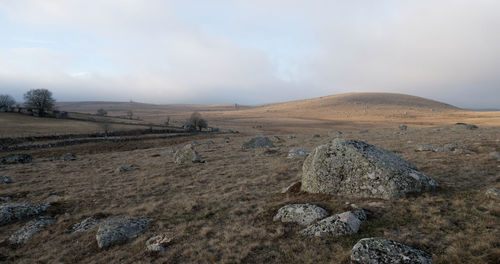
{"x":251,"y":52}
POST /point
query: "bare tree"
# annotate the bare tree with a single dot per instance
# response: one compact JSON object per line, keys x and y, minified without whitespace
{"x":197,"y":121}
{"x":39,"y":99}
{"x":102,"y":112}
{"x":105,"y":126}
{"x":6,"y":101}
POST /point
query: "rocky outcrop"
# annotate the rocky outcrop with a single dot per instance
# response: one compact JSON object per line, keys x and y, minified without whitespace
{"x":302,"y":214}
{"x":11,"y":212}
{"x":337,"y":225}
{"x":29,"y":229}
{"x":298,"y":153}
{"x":383,"y":251}
{"x":187,"y":155}
{"x":354,"y":168}
{"x":258,"y":142}
{"x":16,"y":158}
{"x":118,"y":231}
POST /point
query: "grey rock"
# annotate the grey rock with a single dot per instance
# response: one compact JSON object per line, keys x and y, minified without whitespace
{"x":362,"y":131}
{"x":354,"y":168}
{"x":5,"y":199}
{"x":5,"y":179}
{"x":258,"y":142}
{"x":298,"y":153}
{"x":168,"y":152}
{"x":87,"y":224}
{"x":495,"y":155}
{"x":292,"y":188}
{"x":123,"y":169}
{"x":194,"y":143}
{"x":464,"y":151}
{"x":119,"y":230}
{"x":158,"y":243}
{"x":11,"y":212}
{"x":337,"y":225}
{"x":29,"y":229}
{"x":383,"y":251}
{"x":187,"y":155}
{"x":403,"y":127}
{"x":429,"y":148}
{"x":493,"y":193}
{"x":463,"y":126}
{"x":346,"y":223}
{"x":16,"y":158}
{"x":302,"y":214}
{"x":316,"y":136}
{"x":291,"y":136}
{"x":69,"y":157}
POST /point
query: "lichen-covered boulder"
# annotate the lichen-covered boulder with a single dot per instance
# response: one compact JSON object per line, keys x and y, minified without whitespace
{"x":298,"y":153}
{"x":258,"y":142}
{"x":302,"y":214}
{"x":187,"y":155}
{"x":337,"y":225}
{"x":16,"y":158}
{"x":383,"y":251}
{"x":354,"y":168}
{"x":11,"y":212}
{"x":119,"y":230}
{"x":29,"y":229}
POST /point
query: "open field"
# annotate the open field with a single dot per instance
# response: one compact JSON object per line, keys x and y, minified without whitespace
{"x":222,"y":211}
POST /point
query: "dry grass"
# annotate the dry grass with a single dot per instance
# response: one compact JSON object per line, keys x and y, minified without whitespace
{"x":221,"y":211}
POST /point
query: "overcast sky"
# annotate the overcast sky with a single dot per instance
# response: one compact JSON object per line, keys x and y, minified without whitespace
{"x":251,"y":52}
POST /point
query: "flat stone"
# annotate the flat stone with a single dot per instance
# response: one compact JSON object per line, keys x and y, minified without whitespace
{"x":463,"y":126}
{"x":158,"y":243}
{"x":87,"y":224}
{"x":298,"y":153}
{"x":11,"y":212}
{"x":383,"y":251}
{"x":29,"y":229}
{"x":258,"y":142}
{"x":123,"y":169}
{"x":119,"y":230}
{"x":302,"y":214}
{"x":337,"y":225}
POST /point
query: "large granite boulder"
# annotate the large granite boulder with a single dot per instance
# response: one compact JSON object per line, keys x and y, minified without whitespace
{"x":302,"y":214}
{"x":337,"y":225}
{"x":16,"y":158}
{"x":29,"y":229}
{"x":187,"y":155}
{"x":119,"y":230}
{"x":354,"y":168}
{"x":258,"y":142}
{"x":383,"y":251}
{"x":10,"y":212}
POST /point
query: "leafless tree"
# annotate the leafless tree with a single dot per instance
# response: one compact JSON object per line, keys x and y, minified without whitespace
{"x":105,"y":126}
{"x":6,"y":101}
{"x":39,"y":99}
{"x":101,"y":112}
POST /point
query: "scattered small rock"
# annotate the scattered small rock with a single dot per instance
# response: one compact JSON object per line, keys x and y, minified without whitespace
{"x":383,"y":251}
{"x":119,"y":230}
{"x":16,"y":158}
{"x":11,"y":212}
{"x":187,"y":154}
{"x":158,"y":243}
{"x":5,"y":179}
{"x":69,"y":157}
{"x":258,"y":142}
{"x":298,"y":153}
{"x":292,"y":188}
{"x":403,"y":127}
{"x":87,"y":224}
{"x":463,"y":126}
{"x":362,"y":131}
{"x":123,"y":169}
{"x":493,"y":193}
{"x":291,"y":136}
{"x":29,"y":229}
{"x":302,"y":214}
{"x":337,"y":225}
